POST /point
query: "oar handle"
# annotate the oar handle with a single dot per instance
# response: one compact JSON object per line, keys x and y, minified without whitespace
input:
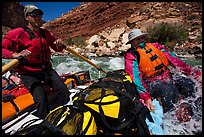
{"x":85,"y":59}
{"x":10,"y":66}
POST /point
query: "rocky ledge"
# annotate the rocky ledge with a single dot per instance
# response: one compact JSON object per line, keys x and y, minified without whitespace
{"x":113,"y":21}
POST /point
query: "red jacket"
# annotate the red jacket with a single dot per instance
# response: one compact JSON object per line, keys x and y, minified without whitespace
{"x":18,"y":39}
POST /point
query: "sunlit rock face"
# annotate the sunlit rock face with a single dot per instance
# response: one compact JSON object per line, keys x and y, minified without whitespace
{"x":114,"y":20}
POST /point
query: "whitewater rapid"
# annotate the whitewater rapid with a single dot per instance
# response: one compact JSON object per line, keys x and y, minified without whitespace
{"x":171,"y":124}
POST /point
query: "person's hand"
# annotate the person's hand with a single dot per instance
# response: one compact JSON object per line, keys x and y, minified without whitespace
{"x":23,"y":53}
{"x":150,"y":105}
{"x":60,"y":43}
{"x":199,"y":78}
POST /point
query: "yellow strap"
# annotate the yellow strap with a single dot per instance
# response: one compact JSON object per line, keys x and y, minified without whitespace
{"x":70,"y":80}
{"x":128,"y":78}
{"x":55,"y":109}
{"x":64,"y":116}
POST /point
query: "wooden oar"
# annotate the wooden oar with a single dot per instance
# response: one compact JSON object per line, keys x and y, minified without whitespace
{"x":85,"y":59}
{"x":10,"y":65}
{"x":15,"y":62}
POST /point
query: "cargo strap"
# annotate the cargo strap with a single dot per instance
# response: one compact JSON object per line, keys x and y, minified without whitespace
{"x":137,"y":112}
{"x":9,"y":98}
{"x":121,"y":126}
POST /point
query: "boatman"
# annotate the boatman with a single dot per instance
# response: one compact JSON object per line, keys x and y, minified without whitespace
{"x":148,"y":66}
{"x":33,"y":44}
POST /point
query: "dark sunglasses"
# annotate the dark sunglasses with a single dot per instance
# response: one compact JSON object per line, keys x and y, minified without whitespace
{"x":35,"y":15}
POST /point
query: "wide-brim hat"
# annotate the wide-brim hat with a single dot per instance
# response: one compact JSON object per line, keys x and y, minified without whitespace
{"x":31,"y":8}
{"x":135,"y":34}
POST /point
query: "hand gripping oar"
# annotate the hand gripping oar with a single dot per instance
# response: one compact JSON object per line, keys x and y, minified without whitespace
{"x":85,"y":59}
{"x":11,"y":64}
{"x":15,"y":62}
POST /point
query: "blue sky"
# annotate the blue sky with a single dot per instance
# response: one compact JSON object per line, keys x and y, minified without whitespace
{"x":53,"y":10}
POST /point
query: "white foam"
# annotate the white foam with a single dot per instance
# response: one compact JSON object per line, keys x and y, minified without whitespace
{"x":171,"y":125}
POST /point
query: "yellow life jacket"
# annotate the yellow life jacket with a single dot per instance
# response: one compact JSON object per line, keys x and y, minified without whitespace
{"x":152,"y":61}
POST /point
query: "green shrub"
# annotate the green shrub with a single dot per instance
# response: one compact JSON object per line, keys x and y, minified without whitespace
{"x":69,"y":41}
{"x":191,"y":17}
{"x":168,"y":34}
{"x":78,"y":41}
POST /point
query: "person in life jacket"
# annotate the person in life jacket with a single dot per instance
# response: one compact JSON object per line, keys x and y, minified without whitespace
{"x":33,"y":43}
{"x":148,"y":66}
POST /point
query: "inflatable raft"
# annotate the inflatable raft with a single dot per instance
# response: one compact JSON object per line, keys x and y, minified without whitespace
{"x":18,"y":100}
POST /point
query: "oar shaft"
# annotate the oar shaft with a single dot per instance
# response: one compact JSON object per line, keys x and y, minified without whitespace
{"x":15,"y":62}
{"x":85,"y":59}
{"x":10,"y":65}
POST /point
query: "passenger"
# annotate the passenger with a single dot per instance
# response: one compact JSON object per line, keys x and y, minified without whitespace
{"x":147,"y":64}
{"x":34,"y":43}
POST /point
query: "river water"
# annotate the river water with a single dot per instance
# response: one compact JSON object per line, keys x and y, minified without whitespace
{"x":171,"y":126}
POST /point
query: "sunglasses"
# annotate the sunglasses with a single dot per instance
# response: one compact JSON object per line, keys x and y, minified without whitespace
{"x":34,"y":15}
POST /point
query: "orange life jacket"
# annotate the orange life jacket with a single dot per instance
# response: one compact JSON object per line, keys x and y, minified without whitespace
{"x":152,"y":61}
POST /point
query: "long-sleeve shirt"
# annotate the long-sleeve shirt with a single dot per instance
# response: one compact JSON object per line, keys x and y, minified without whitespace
{"x":18,"y":39}
{"x":132,"y":68}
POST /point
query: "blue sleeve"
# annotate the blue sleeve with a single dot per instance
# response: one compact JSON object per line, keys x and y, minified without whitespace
{"x":137,"y":76}
{"x":172,"y":54}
